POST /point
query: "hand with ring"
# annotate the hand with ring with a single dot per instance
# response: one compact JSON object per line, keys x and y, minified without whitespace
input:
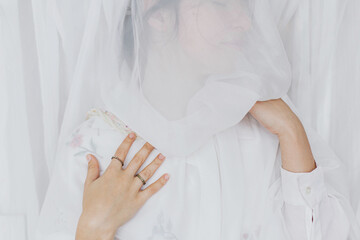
{"x":112,"y":199}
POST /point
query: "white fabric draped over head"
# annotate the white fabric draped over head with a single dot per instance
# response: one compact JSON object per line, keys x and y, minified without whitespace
{"x":218,"y":57}
{"x":56,"y":61}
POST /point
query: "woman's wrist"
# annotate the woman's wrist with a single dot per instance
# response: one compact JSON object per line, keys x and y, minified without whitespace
{"x":295,"y":148}
{"x":276,"y":116}
{"x":88,"y":231}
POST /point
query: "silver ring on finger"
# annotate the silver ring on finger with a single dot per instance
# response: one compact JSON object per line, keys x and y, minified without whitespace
{"x":141,"y":178}
{"x":117,"y":158}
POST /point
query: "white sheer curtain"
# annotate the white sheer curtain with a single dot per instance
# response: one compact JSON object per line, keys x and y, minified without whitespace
{"x":323,"y":45}
{"x":58,"y":31}
{"x":23,"y":177}
{"x":34,"y":84}
{"x":39,"y":43}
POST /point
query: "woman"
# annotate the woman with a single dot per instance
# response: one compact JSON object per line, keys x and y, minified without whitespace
{"x":183,"y":75}
{"x":105,"y":208}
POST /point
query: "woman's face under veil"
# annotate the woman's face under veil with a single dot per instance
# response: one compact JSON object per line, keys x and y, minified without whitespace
{"x":185,"y":42}
{"x":208,"y":32}
{"x":178,"y":71}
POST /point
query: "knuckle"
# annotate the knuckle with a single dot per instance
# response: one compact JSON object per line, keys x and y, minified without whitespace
{"x":91,"y":166}
{"x":146,"y":173}
{"x":148,"y":147}
{"x":141,"y":155}
{"x":124,"y":146}
{"x":121,"y":151}
{"x":127,"y":143}
{"x":137,"y":159}
{"x":157,"y":163}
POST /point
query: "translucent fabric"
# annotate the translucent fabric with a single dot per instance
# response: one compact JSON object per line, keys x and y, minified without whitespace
{"x":190,"y":68}
{"x":325,"y":60}
{"x":49,"y":37}
{"x":227,"y":189}
{"x":179,"y":72}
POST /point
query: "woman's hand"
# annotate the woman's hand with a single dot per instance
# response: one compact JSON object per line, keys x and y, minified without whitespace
{"x":111,"y":200}
{"x":278,"y":118}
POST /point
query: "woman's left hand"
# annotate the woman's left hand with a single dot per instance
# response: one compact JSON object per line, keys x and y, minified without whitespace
{"x":277,"y":117}
{"x":112,"y":199}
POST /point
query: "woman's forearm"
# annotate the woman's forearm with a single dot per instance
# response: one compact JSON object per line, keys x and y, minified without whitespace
{"x":296,"y":152}
{"x":276,"y":116}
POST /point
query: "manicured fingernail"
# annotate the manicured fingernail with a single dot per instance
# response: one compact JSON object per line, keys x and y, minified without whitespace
{"x":167,"y":177}
{"x":88,"y":157}
{"x":161,"y":157}
{"x":131,"y":135}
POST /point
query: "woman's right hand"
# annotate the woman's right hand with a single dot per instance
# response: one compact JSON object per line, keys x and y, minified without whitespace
{"x":111,"y":200}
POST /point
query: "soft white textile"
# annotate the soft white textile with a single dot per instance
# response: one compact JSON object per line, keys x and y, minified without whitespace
{"x":201,"y":201}
{"x":28,"y":36}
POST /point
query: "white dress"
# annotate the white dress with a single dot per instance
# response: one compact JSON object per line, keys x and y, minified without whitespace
{"x":232,"y":188}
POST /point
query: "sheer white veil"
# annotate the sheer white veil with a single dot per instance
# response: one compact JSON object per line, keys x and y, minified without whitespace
{"x":219,"y":58}
{"x":138,"y":60}
{"x":69,"y":58}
